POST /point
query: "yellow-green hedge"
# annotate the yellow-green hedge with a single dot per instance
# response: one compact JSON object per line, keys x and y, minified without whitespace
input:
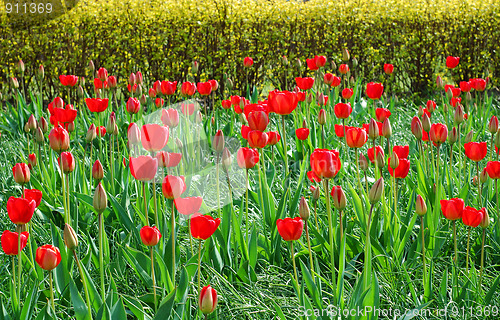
{"x":162,"y":37}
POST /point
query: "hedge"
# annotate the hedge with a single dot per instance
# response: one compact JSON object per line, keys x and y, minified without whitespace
{"x":161,"y":38}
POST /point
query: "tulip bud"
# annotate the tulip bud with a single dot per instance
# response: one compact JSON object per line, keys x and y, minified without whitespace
{"x":91,"y":133}
{"x":139,"y":90}
{"x":453,"y":136}
{"x":469,"y":136}
{"x":41,"y":72}
{"x":439,"y":82}
{"x":334,"y":65}
{"x":230,"y":83}
{"x":373,"y":132}
{"x":322,"y":117}
{"x":426,"y":123}
{"x":131,"y":79}
{"x":376,"y":191}
{"x":304,"y":211}
{"x":80,"y":91}
{"x":39,"y":138}
{"x":138,"y":77}
{"x":97,"y":170}
{"x":178,"y":143}
{"x":227,"y":160}
{"x":218,"y":141}
{"x":380,"y":160}
{"x":285,"y":60}
{"x":354,"y":62}
{"x":143,"y":99}
{"x":315,"y":194}
{"x":212,"y":121}
{"x":70,"y":237}
{"x":91,"y":65}
{"x":82,"y":81}
{"x":345,"y":55}
{"x":497,"y":139}
{"x":207,"y":300}
{"x":100,"y":199}
{"x":194,"y":67}
{"x":362,"y":162}
{"x":199,"y":117}
{"x":298,"y":63}
{"x":71,"y":127}
{"x":15,"y":83}
{"x":31,"y":124}
{"x":26,"y":128}
{"x":483,"y":176}
{"x":111,"y":122}
{"x":320,"y":99}
{"x":420,"y":112}
{"x":459,"y":114}
{"x":386,"y":128}
{"x":485,"y":222}
{"x":309,"y":98}
{"x":493,"y":125}
{"x":21,"y":173}
{"x":474,"y":181}
{"x":394,"y":163}
{"x":420,"y":206}
{"x":339,"y":199}
{"x":20,"y":66}
{"x":58,"y":102}
{"x":42,"y":123}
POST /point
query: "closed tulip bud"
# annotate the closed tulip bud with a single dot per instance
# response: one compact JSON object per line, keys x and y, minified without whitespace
{"x":20,"y":66}
{"x":386,"y":128}
{"x":59,"y":139}
{"x":468,"y":96}
{"x":373,"y":132}
{"x":493,"y":125}
{"x":138,"y":77}
{"x":322,"y":117}
{"x":354,"y":62}
{"x":199,"y":117}
{"x":380,"y":160}
{"x":227,"y":159}
{"x":21,"y":173}
{"x":453,"y":135}
{"x":339,"y":199}
{"x":439,"y":82}
{"x":459,"y":114}
{"x":376,"y":191}
{"x":15,"y":83}
{"x":483,"y":176}
{"x":345,"y":55}
{"x":31,"y":124}
{"x":449,"y":93}
{"x":194,"y":67}
{"x":362,"y":162}
{"x":178,"y":143}
{"x":309,"y":98}
{"x":426,"y":123}
{"x":469,"y":136}
{"x":298,"y":63}
{"x":26,"y":128}
{"x":42,"y":124}
{"x":111,"y":123}
{"x":304,"y":211}
{"x":420,"y":112}
{"x":39,"y":138}
{"x":334,"y":65}
{"x":97,"y":170}
{"x":445,"y":108}
{"x":229,"y":83}
{"x":218,"y":141}
{"x":41,"y":72}
{"x":394,"y":163}
{"x":497,"y":139}
{"x":80,"y":92}
{"x":243,"y":119}
{"x":143,"y":99}
{"x":91,"y":133}
{"x":315,"y":194}
{"x":82,"y":81}
{"x":320,"y":99}
{"x":208,"y":300}
{"x":212,"y":121}
{"x":100,"y":199}
{"x":91,"y":65}
{"x":71,"y":127}
{"x":485,"y":222}
{"x":70,"y":238}
{"x":139,"y":90}
{"x":352,"y":81}
{"x":420,"y":206}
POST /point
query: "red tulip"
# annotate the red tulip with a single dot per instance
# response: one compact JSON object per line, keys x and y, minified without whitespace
{"x":97,"y":170}
{"x":325,"y":163}
{"x":493,"y":125}
{"x":273,"y":137}
{"x":258,"y":120}
{"x":313,"y":177}
{"x":402,"y":151}
{"x":64,"y":115}
{"x":438,"y":133}
{"x":208,"y":300}
{"x":476,"y":151}
{"x":154,"y":137}
{"x":187,"y":109}
{"x":336,"y":81}
{"x":253,"y":107}
{"x":10,"y":243}
{"x":32,"y":161}
{"x":143,"y":168}
{"x":59,"y":139}
{"x":133,"y":105}
{"x":478,"y":84}
{"x":33,"y":194}
{"x":452,"y":209}
{"x":150,"y":236}
{"x":339,"y":130}
{"x":465,"y":86}
{"x":356,"y":137}
{"x":416,"y":127}
{"x":133,"y":134}
{"x":102,"y":74}
{"x":173,"y":187}
{"x":214,"y":84}
{"x":311,"y":64}
{"x":170,"y":117}
{"x":472,"y":217}
{"x":48,"y":257}
{"x":189,"y":205}
{"x":452,"y":62}
{"x":302,"y":133}
{"x":21,"y":173}
{"x":247,"y":158}
{"x":244,"y":131}
{"x":343,"y":68}
{"x":203,"y":226}
{"x":290,"y":229}
{"x":188,"y":88}
{"x":327,"y":79}
{"x":66,"y":162}
{"x":226,"y":104}
{"x":402,"y":169}
{"x":339,"y":199}
{"x":493,"y":169}
{"x":374,"y":90}
{"x":382,"y":114}
{"x":373,"y":155}
{"x":304,"y":83}
{"x":68,"y":80}
{"x":247,"y":62}
{"x":96,"y":104}
{"x":20,"y":210}
{"x":235,"y":100}
{"x":112,"y":82}
{"x":168,"y":87}
{"x":320,"y":61}
{"x":342,"y":110}
{"x":257,"y":139}
{"x":347,"y":93}
{"x":204,"y":88}
{"x":282,"y":102}
{"x":388,"y":68}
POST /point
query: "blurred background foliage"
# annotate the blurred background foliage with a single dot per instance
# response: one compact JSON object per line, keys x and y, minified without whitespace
{"x":162,"y":38}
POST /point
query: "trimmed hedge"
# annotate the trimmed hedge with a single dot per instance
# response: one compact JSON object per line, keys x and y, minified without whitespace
{"x":162,"y":38}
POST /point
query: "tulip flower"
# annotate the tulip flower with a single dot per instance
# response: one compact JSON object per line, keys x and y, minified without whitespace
{"x":20,"y":210}
{"x":402,"y":151}
{"x":282,"y":102}
{"x":453,"y":209}
{"x":325,"y":163}
{"x":208,"y":300}
{"x":476,"y":151}
{"x":59,"y":139}
{"x":342,"y":110}
{"x":9,"y":242}
{"x":48,"y":258}
{"x":188,"y":88}
{"x":302,"y":133}
{"x":438,"y":133}
{"x":33,"y":194}
{"x":168,"y":87}
{"x":291,"y":229}
{"x":66,"y":162}
{"x":247,"y":158}
{"x":257,"y":139}
{"x":258,"y":120}
{"x":202,"y":227}
{"x":339,"y":202}
{"x":204,"y":88}
{"x":304,"y":83}
{"x":273,"y":137}
{"x":452,"y":62}
{"x":382,"y":114}
{"x":133,"y":106}
{"x":96,"y":104}
{"x":478,"y":84}
{"x":347,"y":93}
{"x":401,"y":171}
{"x":143,"y":168}
{"x":472,"y":218}
{"x":188,"y":206}
{"x":97,"y":170}
{"x":374,"y":90}
{"x":388,"y":68}
{"x":68,"y":80}
{"x":247,"y":62}
{"x":170,"y":118}
{"x":150,"y":236}
{"x":344,"y":68}
{"x":356,"y":137}
{"x":21,"y":173}
{"x":154,"y":137}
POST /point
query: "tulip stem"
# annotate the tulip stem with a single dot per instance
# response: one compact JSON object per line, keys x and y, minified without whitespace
{"x":395,"y":193}
{"x":294,"y":265}
{"x":63,"y":193}
{"x":478,"y":185}
{"x":67,"y":199}
{"x":316,"y":214}
{"x":173,"y":241}
{"x":246,"y":205}
{"x":199,"y":266}
{"x":498,"y":211}
{"x":111,"y":159}
{"x":323,"y":144}
{"x":366,"y":183}
{"x":310,"y":251}
{"x":482,"y":259}
{"x":101,"y":254}
{"x":357,"y":169}
{"x":285,"y":147}
{"x":467,"y":256}
{"x":145,"y":202}
{"x":330,"y":228}
{"x":156,"y":204}
{"x":423,"y":250}
{"x":52,"y":294}
{"x":19,"y":263}
{"x":455,"y":239}
{"x":437,"y":171}
{"x":14,"y":292}
{"x":153,"y":275}
{"x":262,"y":198}
{"x":367,"y":270}
{"x":84,"y":282}
{"x":217,"y":183}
